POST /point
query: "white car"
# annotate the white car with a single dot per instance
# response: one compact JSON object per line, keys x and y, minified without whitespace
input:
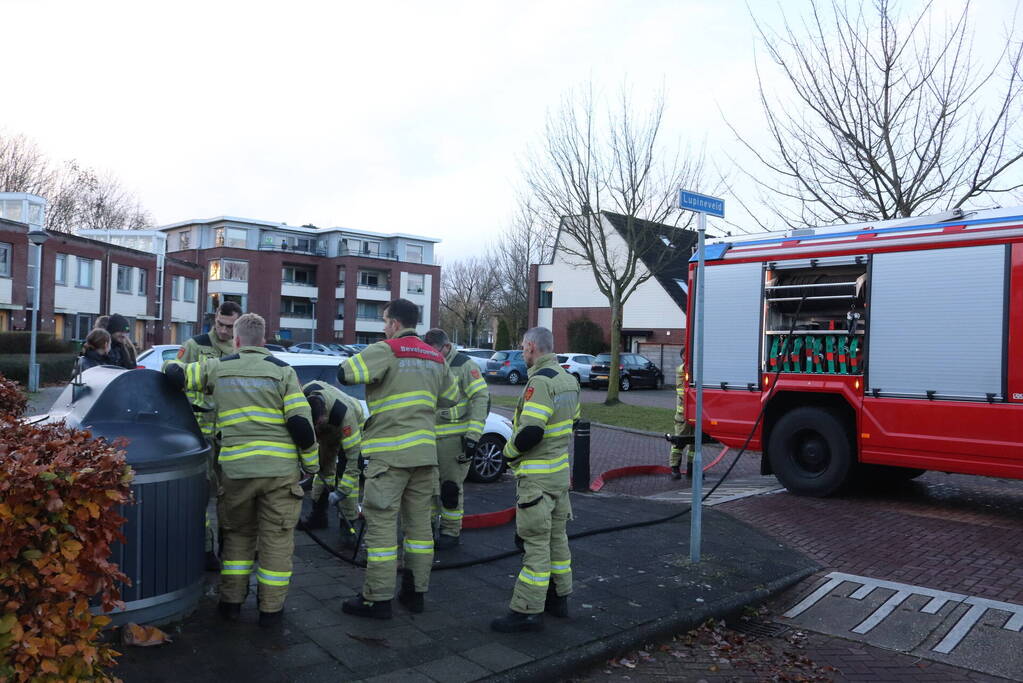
{"x":577,"y":365}
{"x":320,"y":349}
{"x":479,"y":356}
{"x":488,"y":464}
{"x":153,"y":359}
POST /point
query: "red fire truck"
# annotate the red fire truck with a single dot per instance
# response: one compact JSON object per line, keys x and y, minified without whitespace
{"x":884,"y":349}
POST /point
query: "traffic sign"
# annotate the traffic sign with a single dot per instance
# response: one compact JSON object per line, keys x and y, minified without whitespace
{"x":692,"y":201}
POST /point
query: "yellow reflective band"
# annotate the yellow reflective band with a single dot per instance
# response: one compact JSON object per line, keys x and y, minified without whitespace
{"x":453,"y":428}
{"x":236,"y":568}
{"x":311,"y":456}
{"x":451,"y":392}
{"x":272,"y":578}
{"x":475,"y":387}
{"x":558,"y":428}
{"x":411,"y":398}
{"x":476,"y":425}
{"x":534,"y":578}
{"x":561,"y":567}
{"x":453,"y":515}
{"x":531,"y":413}
{"x":418,"y":547}
{"x":362,"y":372}
{"x":350,"y":441}
{"x":542,"y":466}
{"x":399,"y":442}
{"x":192,"y":377}
{"x":295,"y":401}
{"x":274,"y":449}
{"x":389,"y":554}
{"x":578,"y":412}
{"x":235,"y":416}
{"x":539,"y":407}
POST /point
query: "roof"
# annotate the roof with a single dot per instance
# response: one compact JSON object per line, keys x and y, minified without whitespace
{"x":295,"y":228}
{"x":663,"y":249}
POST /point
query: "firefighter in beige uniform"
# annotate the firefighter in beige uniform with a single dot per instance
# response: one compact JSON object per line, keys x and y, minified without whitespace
{"x":682,"y":427}
{"x":266,"y":438}
{"x":337,"y":418}
{"x":538,"y":456}
{"x":406,"y":380}
{"x":216,"y":343}
{"x":458,"y":431}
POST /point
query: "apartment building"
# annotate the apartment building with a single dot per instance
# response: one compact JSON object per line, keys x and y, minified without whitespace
{"x":309,"y":283}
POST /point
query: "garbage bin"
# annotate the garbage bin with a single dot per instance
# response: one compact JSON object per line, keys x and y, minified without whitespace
{"x":163,"y":554}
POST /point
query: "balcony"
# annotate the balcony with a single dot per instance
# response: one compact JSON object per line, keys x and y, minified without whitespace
{"x":374,"y":293}
{"x":299,"y":289}
{"x":296,"y":321}
{"x":382,"y":255}
{"x":288,"y":249}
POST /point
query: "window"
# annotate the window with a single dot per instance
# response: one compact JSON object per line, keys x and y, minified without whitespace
{"x":546,"y":296}
{"x":176,"y":287}
{"x":227,"y":269}
{"x":373,"y":279}
{"x":83,"y":323}
{"x":184,"y":239}
{"x":124,"y":279}
{"x":190,"y":286}
{"x":84,"y":277}
{"x":303,"y":244}
{"x":11,"y":210}
{"x":368,"y":338}
{"x":416,"y":283}
{"x":296,"y":307}
{"x":414,"y":253}
{"x":231,"y":237}
{"x":298,"y":275}
{"x":60,"y":269}
{"x":341,"y":309}
{"x":369,"y":310}
{"x":143,"y":277}
{"x":6,"y":250}
{"x":370,"y":248}
{"x":341,"y":277}
{"x":350,"y":246}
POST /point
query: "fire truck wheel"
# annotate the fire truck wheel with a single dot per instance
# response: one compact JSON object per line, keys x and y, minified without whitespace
{"x":811,"y":452}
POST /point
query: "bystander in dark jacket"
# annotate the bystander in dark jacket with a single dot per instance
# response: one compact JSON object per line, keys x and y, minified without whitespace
{"x":122,"y":352}
{"x":94,"y":351}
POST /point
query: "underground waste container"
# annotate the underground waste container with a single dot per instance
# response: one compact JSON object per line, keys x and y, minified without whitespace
{"x":165,"y":529}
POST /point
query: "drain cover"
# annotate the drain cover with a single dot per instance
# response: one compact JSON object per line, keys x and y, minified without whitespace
{"x":759,"y":629}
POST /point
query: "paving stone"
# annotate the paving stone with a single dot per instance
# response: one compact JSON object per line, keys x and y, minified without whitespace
{"x":453,"y":669}
{"x":496,"y":657}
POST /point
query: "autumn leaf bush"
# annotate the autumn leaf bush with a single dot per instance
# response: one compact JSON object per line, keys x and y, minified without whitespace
{"x":59,"y":492}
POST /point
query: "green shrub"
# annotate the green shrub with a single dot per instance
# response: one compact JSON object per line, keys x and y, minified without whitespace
{"x":585,"y":336}
{"x":53,"y":367}
{"x":21,"y":342}
{"x":503,"y":341}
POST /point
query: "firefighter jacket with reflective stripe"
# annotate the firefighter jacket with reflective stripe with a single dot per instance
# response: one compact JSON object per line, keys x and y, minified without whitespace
{"x":255,"y":394}
{"x":406,"y":380}
{"x":193,"y":350}
{"x":680,"y":390}
{"x":550,"y":400}
{"x":467,"y":417}
{"x":343,"y":431}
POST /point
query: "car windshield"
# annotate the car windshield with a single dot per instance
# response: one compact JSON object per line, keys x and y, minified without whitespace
{"x":602,"y":358}
{"x":500,"y":355}
{"x":328,"y":374}
{"x":562,"y":359}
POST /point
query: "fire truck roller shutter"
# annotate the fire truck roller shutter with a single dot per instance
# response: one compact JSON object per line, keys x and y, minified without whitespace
{"x":937,"y":323}
{"x":731,"y":342}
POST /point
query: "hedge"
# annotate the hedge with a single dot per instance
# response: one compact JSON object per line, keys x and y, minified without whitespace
{"x":53,"y":367}
{"x":21,"y":342}
{"x":59,"y":492}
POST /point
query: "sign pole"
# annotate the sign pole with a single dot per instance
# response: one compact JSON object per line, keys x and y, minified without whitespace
{"x":696,"y":520}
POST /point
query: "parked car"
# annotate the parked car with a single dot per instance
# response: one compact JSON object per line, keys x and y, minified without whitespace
{"x":153,"y":359}
{"x":274,"y":347}
{"x":313,"y":347}
{"x":506,"y":366}
{"x":636,"y":371}
{"x":577,"y":364}
{"x":479,"y":356}
{"x":487,"y":464}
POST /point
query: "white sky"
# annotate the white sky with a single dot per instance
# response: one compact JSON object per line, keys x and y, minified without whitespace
{"x":400,"y":116}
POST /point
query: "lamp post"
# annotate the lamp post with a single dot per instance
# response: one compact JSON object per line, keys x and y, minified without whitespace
{"x":312,"y":332}
{"x":37,"y":237}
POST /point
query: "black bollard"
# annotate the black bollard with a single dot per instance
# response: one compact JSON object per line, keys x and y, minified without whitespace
{"x":581,"y":459}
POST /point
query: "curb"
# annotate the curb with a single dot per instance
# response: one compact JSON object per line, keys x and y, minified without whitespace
{"x":560,"y":665}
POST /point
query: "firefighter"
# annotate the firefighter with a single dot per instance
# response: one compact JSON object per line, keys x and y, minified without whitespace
{"x":266,"y":438}
{"x":406,"y":380}
{"x":682,"y":427}
{"x":458,"y":431}
{"x":538,"y":456}
{"x":215,"y":344}
{"x":337,"y":419}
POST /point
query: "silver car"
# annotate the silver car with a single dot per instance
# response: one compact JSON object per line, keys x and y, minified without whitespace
{"x":577,"y":365}
{"x":320,"y":349}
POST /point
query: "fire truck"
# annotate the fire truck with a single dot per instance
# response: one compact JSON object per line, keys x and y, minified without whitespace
{"x":876,"y":350}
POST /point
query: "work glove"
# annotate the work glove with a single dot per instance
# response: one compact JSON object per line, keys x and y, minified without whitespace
{"x":468,"y":450}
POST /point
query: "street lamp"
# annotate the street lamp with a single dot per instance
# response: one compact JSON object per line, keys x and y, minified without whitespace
{"x":37,"y":237}
{"x":312,"y":333}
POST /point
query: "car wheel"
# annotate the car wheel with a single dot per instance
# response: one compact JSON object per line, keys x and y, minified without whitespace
{"x":488,"y":461}
{"x":514,"y":377}
{"x":811,"y":452}
{"x":625,"y":383}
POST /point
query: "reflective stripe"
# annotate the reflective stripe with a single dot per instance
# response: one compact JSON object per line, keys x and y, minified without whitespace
{"x":236,"y":567}
{"x":349,"y":480}
{"x":453,"y":515}
{"x":294,"y":402}
{"x":350,"y":441}
{"x":311,"y":456}
{"x":578,"y":411}
{"x":274,"y":449}
{"x":558,"y":428}
{"x":272,"y":578}
{"x":542,"y":466}
{"x":453,"y":428}
{"x":475,"y":425}
{"x":399,"y":442}
{"x":388,"y":554}
{"x":411,"y":398}
{"x":475,"y":387}
{"x":192,"y":377}
{"x":418,"y":547}
{"x":534,"y":578}
{"x":561,"y":567}
{"x":361,"y":371}
{"x":254,"y":413}
{"x":539,"y":407}
{"x":451,"y":393}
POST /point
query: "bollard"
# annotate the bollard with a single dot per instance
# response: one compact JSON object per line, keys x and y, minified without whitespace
{"x":581,"y":458}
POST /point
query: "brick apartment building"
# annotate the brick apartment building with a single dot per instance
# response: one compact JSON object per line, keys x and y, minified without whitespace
{"x":83,"y":278}
{"x":322,"y":284}
{"x":653,"y":320}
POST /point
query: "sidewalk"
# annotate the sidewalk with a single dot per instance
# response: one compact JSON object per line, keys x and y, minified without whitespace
{"x":629,"y":588}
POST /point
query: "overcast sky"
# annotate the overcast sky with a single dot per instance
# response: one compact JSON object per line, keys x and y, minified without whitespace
{"x":389,"y":116}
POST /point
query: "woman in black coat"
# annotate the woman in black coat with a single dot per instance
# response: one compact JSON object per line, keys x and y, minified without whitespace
{"x":94,"y":351}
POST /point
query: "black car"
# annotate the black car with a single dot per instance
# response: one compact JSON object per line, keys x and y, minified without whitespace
{"x":636,"y":371}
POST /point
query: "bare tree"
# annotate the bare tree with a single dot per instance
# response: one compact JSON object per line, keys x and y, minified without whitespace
{"x":23,"y":166}
{"x":591,"y":164}
{"x":467,"y":296}
{"x":528,"y":240}
{"x":886,"y":116}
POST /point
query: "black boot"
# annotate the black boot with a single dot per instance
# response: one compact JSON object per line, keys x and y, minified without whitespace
{"x":555,"y":605}
{"x":408,"y":595}
{"x":445,"y":542}
{"x":361,"y":607}
{"x":270,"y":619}
{"x":516,"y":622}
{"x":317,"y":518}
{"x":212,"y":561}
{"x":230,"y":611}
{"x":675,"y":472}
{"x":689,"y":469}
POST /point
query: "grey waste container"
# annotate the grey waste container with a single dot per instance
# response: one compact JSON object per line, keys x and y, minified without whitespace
{"x":163,"y":552}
